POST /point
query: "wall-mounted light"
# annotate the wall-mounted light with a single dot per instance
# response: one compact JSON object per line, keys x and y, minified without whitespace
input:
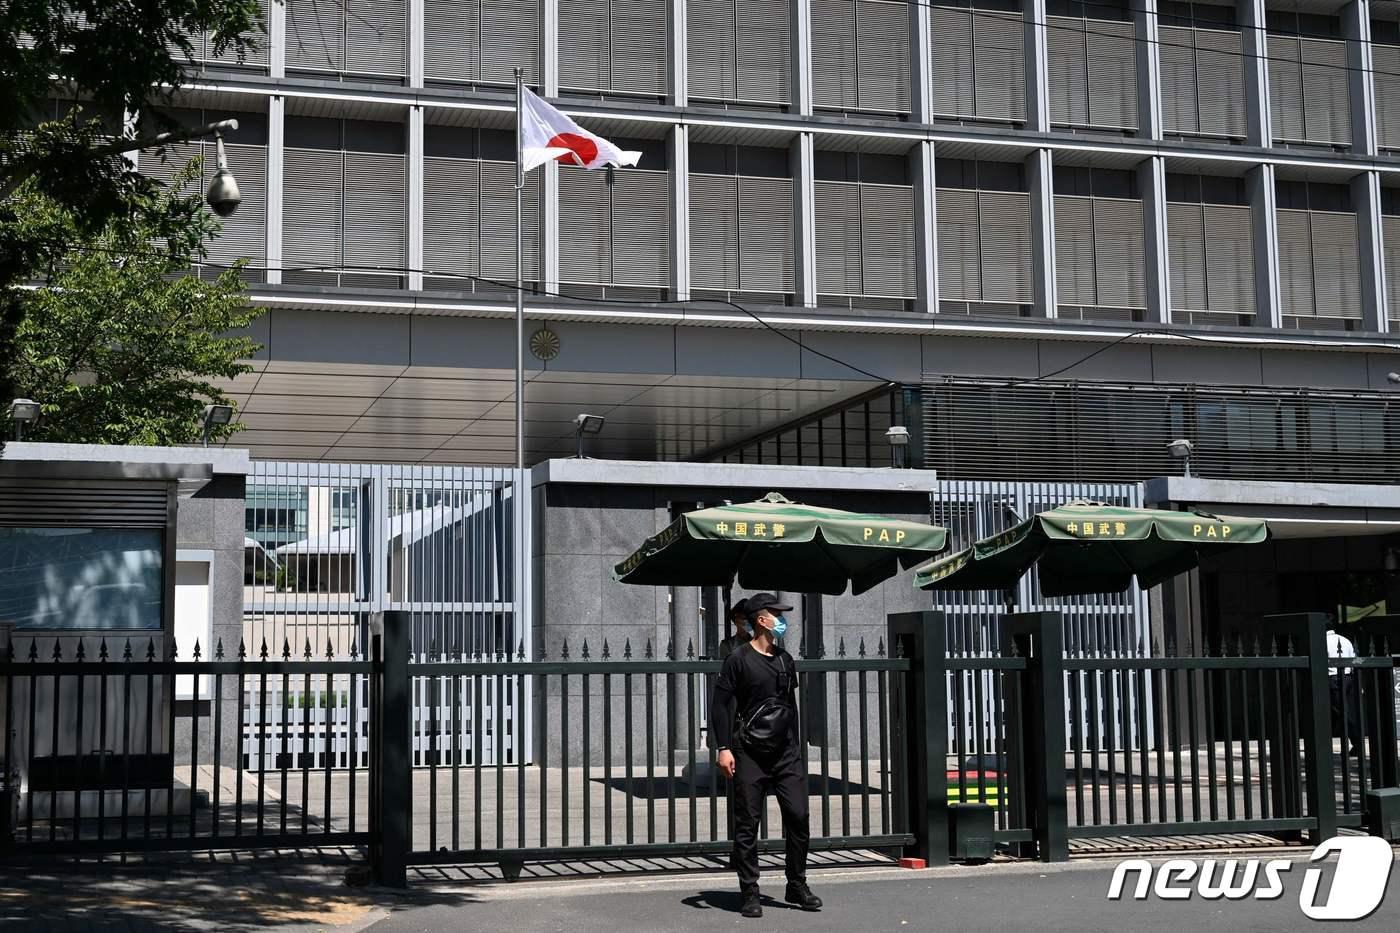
{"x":23,"y":411}
{"x":214,"y":416}
{"x":1181,"y":449}
{"x":898,"y":438}
{"x":585,"y":424}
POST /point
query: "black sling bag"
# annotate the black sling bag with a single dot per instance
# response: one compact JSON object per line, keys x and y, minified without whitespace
{"x":765,"y":727}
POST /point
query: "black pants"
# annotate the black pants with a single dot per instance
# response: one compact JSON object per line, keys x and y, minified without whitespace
{"x":1350,"y":725}
{"x":786,"y":776}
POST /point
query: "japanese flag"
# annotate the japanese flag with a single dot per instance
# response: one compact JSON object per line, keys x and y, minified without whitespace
{"x":546,"y":134}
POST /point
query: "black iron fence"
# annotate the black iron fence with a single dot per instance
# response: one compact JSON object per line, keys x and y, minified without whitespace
{"x":124,"y":747}
{"x":617,"y":761}
{"x":1264,"y":733}
{"x":601,"y":751}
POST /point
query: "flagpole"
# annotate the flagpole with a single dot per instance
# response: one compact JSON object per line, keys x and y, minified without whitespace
{"x":519,"y":282}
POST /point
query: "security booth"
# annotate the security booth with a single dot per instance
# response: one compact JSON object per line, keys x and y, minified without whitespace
{"x":109,"y":554}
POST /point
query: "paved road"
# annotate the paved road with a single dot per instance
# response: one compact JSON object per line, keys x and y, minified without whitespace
{"x":1003,"y":897}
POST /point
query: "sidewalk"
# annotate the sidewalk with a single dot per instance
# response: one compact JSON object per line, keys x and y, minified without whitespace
{"x":236,"y":893}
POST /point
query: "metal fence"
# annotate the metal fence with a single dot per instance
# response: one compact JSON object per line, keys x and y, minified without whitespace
{"x":621,"y":764}
{"x":330,"y":546}
{"x":101,"y":757}
{"x":599,"y":751}
{"x":1268,"y":735}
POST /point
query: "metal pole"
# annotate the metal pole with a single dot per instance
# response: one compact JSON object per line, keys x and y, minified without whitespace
{"x":519,"y":282}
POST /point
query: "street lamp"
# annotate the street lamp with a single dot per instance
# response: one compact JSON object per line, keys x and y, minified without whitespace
{"x":215,"y":415}
{"x":1181,"y":449}
{"x":23,"y":411}
{"x":585,"y":424}
{"x":898,"y":438}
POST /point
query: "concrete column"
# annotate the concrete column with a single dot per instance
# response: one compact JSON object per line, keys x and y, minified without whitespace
{"x":1361,"y":89}
{"x":1256,"y":73}
{"x":277,"y":38}
{"x":415,"y":44}
{"x":549,"y":238}
{"x":549,"y":49}
{"x":801,"y":57}
{"x":921,"y":62}
{"x":1263,"y":217}
{"x":1037,"y":66}
{"x":921,"y":164}
{"x":1040,"y":180}
{"x":805,"y":218}
{"x":415,"y":198}
{"x":276,"y":114}
{"x":678,"y":75}
{"x":1152,"y":183}
{"x":1366,"y":195}
{"x":679,"y":145}
{"x":1149,"y":70}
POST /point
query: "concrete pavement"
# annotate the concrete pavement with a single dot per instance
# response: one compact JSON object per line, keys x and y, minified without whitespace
{"x":1069,"y":897}
{"x":231,"y":893}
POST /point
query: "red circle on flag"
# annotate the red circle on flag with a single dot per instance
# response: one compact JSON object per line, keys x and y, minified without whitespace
{"x":582,"y":149}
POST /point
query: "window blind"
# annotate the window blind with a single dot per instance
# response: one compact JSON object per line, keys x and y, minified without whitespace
{"x":613,"y":45}
{"x":481,"y":41}
{"x":739,"y":50}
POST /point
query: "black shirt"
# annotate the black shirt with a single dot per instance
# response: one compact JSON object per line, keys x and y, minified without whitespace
{"x":747,"y":678}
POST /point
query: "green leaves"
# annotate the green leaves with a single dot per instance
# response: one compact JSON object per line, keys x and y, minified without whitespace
{"x":122,"y":344}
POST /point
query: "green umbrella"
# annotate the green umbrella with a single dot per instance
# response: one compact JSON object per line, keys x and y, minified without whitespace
{"x":776,"y":544}
{"x":1089,"y":547}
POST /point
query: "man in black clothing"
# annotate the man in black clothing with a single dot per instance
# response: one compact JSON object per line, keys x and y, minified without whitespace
{"x":757,"y":691}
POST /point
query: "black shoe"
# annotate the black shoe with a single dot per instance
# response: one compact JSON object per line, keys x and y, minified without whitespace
{"x":798,"y":893}
{"x":752,"y":908}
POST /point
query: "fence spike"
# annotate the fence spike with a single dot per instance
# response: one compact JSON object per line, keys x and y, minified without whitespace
{"x":520,"y":653}
{"x":544,"y":650}
{"x":34,"y":649}
{"x":690,"y":649}
{"x":354,"y":649}
{"x":196,"y":649}
{"x":1370,"y":651}
{"x":126,"y":652}
{"x":670,"y":650}
{"x":649,"y":655}
{"x":860,"y":652}
{"x":841,"y":648}
{"x":306,"y":652}
{"x":219,"y":650}
{"x":606,"y":654}
{"x":585,"y":649}
{"x":264,"y":648}
{"x":1385,"y":644}
{"x":898,"y":649}
{"x":564,"y":651}
{"x":1288,"y":646}
{"x":1014,"y":649}
{"x":880,"y":648}
{"x":151,"y":649}
{"x":102,"y":649}
{"x":286,"y":649}
{"x":1257,"y":646}
{"x":57,"y":652}
{"x":9,"y":649}
{"x":821,"y":649}
{"x":172,"y":651}
{"x":80,"y":655}
{"x":330,"y":649}
{"x":627,"y":649}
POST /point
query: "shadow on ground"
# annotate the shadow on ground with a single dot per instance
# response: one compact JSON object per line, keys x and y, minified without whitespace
{"x":224,"y":892}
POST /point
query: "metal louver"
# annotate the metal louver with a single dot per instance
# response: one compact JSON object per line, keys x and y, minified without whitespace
{"x":1390,"y":227}
{"x":1005,"y":222}
{"x":739,"y":50}
{"x":615,"y":234}
{"x":1118,"y":432}
{"x":481,"y":40}
{"x":714,"y":231}
{"x":1074,"y":250}
{"x":950,"y":44}
{"x":766,"y":246}
{"x":999,"y":66}
{"x":882,"y":56}
{"x":1385,"y":60}
{"x":865,"y":239}
{"x":1308,"y":90}
{"x":838,"y":238}
{"x":959,"y":250}
{"x":613,"y":45}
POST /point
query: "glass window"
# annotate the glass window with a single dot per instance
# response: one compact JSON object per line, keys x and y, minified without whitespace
{"x":106,"y":579}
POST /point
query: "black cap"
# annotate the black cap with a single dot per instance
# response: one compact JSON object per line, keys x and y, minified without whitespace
{"x":742,"y":606}
{"x":759,"y":601}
